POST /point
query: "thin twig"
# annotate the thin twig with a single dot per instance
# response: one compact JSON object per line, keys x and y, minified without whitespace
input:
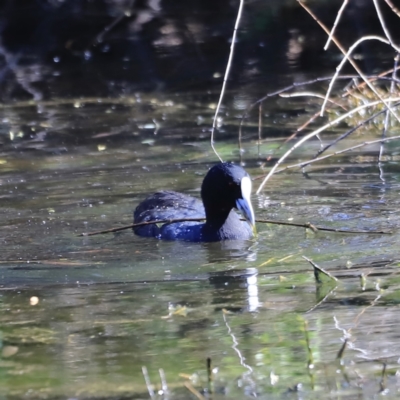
{"x":347,"y":333}
{"x":338,"y":16}
{"x":283,"y":90}
{"x":393,"y":7}
{"x":305,"y":163}
{"x":381,"y":76}
{"x":342,"y":349}
{"x":311,"y":94}
{"x":210,"y":377}
{"x":362,"y":312}
{"x":307,"y":225}
{"x":383,"y":25}
{"x":194,"y":391}
{"x":318,"y":269}
{"x":382,"y":383}
{"x":300,"y":84}
{"x":346,"y":54}
{"x":321,"y":301}
{"x":316,"y":228}
{"x":316,"y":132}
{"x":228,"y":68}
{"x":350,"y":131}
{"x":122,"y":228}
{"x":259,"y":127}
{"x":347,"y":58}
{"x":387,"y":116}
{"x":126,"y":13}
{"x":396,"y":68}
{"x":295,"y":133}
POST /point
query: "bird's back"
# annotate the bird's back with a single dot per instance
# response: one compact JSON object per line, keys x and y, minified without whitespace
{"x":166,"y":205}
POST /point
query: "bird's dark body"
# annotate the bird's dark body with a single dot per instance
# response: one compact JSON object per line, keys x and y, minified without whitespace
{"x":167,"y":205}
{"x":222,"y":223}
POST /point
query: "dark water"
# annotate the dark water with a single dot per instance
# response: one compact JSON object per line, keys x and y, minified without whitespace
{"x":94,"y":317}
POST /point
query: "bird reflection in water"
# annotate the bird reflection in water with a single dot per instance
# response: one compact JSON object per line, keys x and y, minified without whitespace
{"x":237,"y":289}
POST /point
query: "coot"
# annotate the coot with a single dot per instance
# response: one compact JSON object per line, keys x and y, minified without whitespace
{"x":225,"y":187}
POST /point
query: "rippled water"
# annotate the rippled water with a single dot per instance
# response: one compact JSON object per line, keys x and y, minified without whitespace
{"x":82,"y":316}
{"x":116,"y":316}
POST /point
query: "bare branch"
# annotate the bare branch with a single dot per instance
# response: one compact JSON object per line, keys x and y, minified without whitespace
{"x":228,"y":68}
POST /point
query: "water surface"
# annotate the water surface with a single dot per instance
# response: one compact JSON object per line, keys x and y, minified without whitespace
{"x":118,"y":316}
{"x":109,"y":305}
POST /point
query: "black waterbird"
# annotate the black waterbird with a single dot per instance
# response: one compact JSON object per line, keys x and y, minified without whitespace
{"x":225,"y":187}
